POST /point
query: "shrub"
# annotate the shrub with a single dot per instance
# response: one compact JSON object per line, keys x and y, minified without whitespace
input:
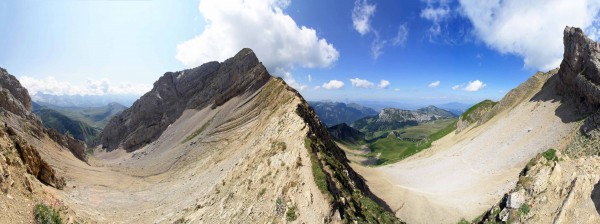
{"x":290,"y":214}
{"x":46,"y":215}
{"x":524,"y":209}
{"x":463,"y":221}
{"x":550,"y":155}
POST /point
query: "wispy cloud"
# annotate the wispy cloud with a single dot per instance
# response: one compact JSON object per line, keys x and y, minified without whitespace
{"x":434,"y":84}
{"x":361,"y":16}
{"x":401,"y":37}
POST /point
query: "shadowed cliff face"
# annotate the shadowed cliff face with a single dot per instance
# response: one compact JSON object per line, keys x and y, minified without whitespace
{"x":579,"y":72}
{"x":579,"y":77}
{"x":211,"y":84}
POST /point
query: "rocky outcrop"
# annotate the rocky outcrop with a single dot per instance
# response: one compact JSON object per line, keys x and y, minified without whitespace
{"x":13,"y":96}
{"x":210,"y":84}
{"x":579,"y":76}
{"x":76,"y":147}
{"x":35,"y":164}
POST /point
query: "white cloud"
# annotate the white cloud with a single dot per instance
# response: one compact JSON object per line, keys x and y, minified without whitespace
{"x":474,"y":86}
{"x":317,"y":88}
{"x":361,"y":16}
{"x":361,"y":83}
{"x":456,"y":87}
{"x":531,"y":29}
{"x":401,"y":36}
{"x":436,"y":12}
{"x":52,"y":86}
{"x":309,"y":77}
{"x":397,"y":89}
{"x":384,"y":84}
{"x":333,"y":84}
{"x":260,"y":25}
{"x":434,"y":84}
{"x":377,"y":46}
{"x":289,"y":79}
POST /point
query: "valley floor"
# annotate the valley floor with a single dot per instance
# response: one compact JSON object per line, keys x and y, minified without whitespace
{"x":463,"y":175}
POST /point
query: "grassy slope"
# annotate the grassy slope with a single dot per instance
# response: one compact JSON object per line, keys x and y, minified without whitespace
{"x":391,"y":149}
{"x":64,"y":124}
{"x":482,"y":104}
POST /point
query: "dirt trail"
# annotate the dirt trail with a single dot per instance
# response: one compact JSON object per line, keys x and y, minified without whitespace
{"x":463,"y":175}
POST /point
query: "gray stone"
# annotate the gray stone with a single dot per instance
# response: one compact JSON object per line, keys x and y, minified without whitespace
{"x":210,"y":84}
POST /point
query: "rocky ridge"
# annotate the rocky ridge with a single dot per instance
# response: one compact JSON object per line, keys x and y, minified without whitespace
{"x":392,"y":118}
{"x":334,"y":113}
{"x":210,"y":84}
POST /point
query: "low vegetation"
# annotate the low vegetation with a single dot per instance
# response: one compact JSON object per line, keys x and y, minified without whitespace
{"x":318,"y":174}
{"x":290,"y":214}
{"x":392,"y":149}
{"x":483,"y":104}
{"x":550,"y":155}
{"x":524,"y":209}
{"x":46,"y":215}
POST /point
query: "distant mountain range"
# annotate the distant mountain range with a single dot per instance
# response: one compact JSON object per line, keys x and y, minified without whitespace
{"x":333,"y":113}
{"x":392,"y":118}
{"x":83,"y":100}
{"x":454,"y":107}
{"x":83,"y":123}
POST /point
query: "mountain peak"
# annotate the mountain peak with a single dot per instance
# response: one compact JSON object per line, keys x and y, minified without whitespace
{"x":579,"y":76}
{"x":210,"y":84}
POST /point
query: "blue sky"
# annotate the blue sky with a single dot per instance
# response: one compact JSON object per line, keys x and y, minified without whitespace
{"x":425,"y":51}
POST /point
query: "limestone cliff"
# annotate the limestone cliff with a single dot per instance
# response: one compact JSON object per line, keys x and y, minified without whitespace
{"x":211,"y":84}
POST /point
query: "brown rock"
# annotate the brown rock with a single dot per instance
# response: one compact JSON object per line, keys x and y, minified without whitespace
{"x":36,"y":165}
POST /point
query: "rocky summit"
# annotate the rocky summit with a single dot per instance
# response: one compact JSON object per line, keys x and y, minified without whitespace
{"x":579,"y":77}
{"x":211,"y":84}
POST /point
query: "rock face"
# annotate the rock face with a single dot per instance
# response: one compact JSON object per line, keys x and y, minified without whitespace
{"x":35,"y":164}
{"x":392,"y":118}
{"x":579,"y":76}
{"x":210,"y":84}
{"x":13,"y":96}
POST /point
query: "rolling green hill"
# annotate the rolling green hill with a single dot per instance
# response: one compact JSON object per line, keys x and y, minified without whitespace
{"x":96,"y":117}
{"x":65,"y":125}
